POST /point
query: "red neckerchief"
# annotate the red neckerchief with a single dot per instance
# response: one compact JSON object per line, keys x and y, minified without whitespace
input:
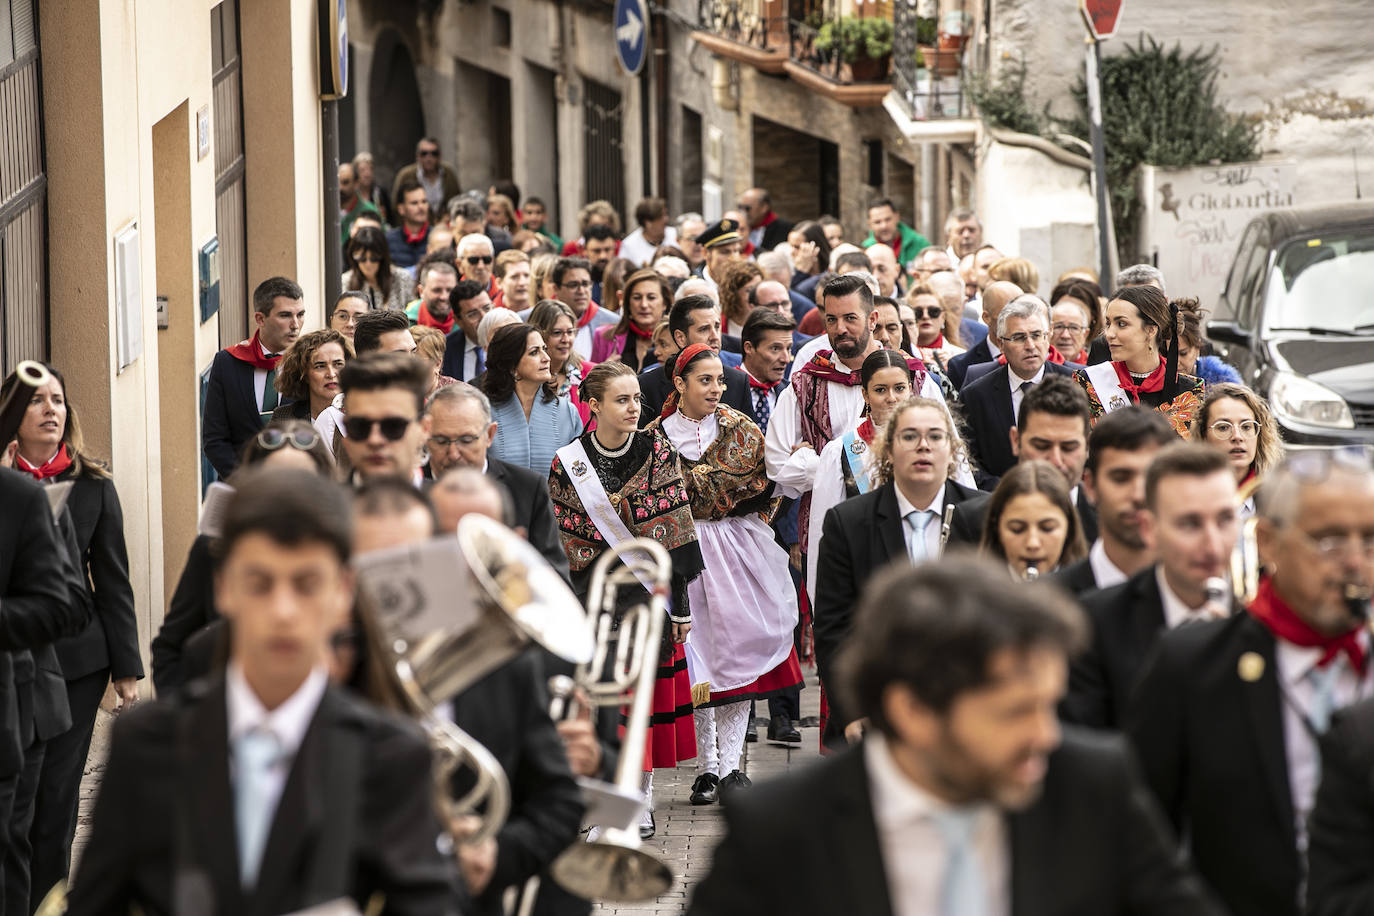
{"x":766,"y":221}
{"x":1281,"y":620}
{"x":50,"y":468}
{"x":866,"y":431}
{"x":826,"y":369}
{"x":250,"y":352}
{"x":417,"y":237}
{"x":1153,"y":382}
{"x":637,"y":331}
{"x":1053,"y":356}
{"x":936,"y":344}
{"x":896,"y":245}
{"x":592,"y":309}
{"x":427,"y":320}
{"x":762,"y":386}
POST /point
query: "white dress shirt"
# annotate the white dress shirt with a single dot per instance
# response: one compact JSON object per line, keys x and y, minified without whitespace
{"x":260,"y":378}
{"x":691,"y":437}
{"x":1176,"y":610}
{"x":1295,"y":664}
{"x":638,"y":250}
{"x":287,"y":723}
{"x":1105,"y":572}
{"x":912,"y":848}
{"x":772,"y":394}
{"x":932,"y":529}
{"x":1015,"y":382}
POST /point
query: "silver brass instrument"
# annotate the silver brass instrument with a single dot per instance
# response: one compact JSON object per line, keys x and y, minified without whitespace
{"x":1031,"y":574}
{"x":30,"y":376}
{"x":519,"y":599}
{"x":614,"y":867}
{"x":945,"y":527}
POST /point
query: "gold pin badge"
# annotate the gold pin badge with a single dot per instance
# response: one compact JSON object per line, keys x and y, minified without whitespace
{"x":1250,"y":667}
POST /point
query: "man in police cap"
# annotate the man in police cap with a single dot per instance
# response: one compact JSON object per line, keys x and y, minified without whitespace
{"x":723,"y":243}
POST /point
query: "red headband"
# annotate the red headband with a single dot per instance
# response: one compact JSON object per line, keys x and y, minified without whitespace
{"x":686,"y":355}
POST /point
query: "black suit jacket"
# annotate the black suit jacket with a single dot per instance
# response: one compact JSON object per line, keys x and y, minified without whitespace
{"x":967,"y":525}
{"x":1077,"y":578}
{"x":167,"y":799}
{"x":1092,"y":844}
{"x":110,"y":639}
{"x":958,"y":364}
{"x":1340,"y":851}
{"x":231,"y":415}
{"x":858,"y":537}
{"x":774,"y":234}
{"x":455,"y":349}
{"x":192,"y":607}
{"x":533,"y":510}
{"x":989,"y":419}
{"x":1212,"y":746}
{"x":508,"y":712}
{"x":41,"y":601}
{"x":654,"y":389}
{"x":1125,"y":621}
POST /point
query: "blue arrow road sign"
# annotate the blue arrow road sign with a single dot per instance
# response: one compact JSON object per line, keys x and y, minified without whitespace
{"x":631,"y":34}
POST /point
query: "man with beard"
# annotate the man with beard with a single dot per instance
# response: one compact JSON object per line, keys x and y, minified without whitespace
{"x":1227,"y":715}
{"x":964,"y":797}
{"x":1189,"y":525}
{"x":1120,"y":449}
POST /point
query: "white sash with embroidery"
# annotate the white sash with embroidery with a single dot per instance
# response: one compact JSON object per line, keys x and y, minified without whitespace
{"x":1108,"y":387}
{"x":597,"y":502}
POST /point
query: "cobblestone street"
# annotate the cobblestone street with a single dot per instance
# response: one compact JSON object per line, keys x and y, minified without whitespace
{"x":686,"y":837}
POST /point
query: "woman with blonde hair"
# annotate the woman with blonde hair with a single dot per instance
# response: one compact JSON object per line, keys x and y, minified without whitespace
{"x":430,"y":345}
{"x":1016,"y":270}
{"x":501,"y":212}
{"x":541,"y":277}
{"x":1237,"y":421}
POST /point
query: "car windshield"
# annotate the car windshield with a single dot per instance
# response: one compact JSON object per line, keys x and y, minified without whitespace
{"x":1324,"y":284}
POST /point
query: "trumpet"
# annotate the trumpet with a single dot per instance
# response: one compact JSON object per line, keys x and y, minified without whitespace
{"x":30,"y":376}
{"x":519,"y":599}
{"x":614,"y":867}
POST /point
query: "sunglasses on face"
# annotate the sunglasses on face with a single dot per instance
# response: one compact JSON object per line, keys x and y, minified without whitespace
{"x":360,"y":428}
{"x":479,"y":259}
{"x":273,"y":438}
{"x":367,"y":259}
{"x":927,"y":311}
{"x":429,"y":153}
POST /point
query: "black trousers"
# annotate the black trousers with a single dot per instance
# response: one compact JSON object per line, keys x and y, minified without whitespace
{"x":59,"y":788}
{"x":18,"y":822}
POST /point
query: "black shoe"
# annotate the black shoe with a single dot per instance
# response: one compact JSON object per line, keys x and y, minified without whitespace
{"x":751,"y":734}
{"x":780,"y":730}
{"x":733,"y":783}
{"x":706,"y":789}
{"x":647,"y":832}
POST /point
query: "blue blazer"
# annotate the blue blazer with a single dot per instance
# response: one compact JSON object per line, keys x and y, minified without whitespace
{"x":231,"y":412}
{"x":988,"y":416}
{"x":455,"y":346}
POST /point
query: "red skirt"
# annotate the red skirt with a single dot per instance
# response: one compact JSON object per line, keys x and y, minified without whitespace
{"x":786,"y":676}
{"x":672,"y":735}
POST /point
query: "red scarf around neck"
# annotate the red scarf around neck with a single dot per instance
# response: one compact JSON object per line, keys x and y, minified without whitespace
{"x":1281,"y":620}
{"x":587,"y":314}
{"x":51,"y":468}
{"x":1152,"y":382}
{"x":763,"y":386}
{"x":936,"y":344}
{"x":250,"y":352}
{"x":637,"y":331}
{"x":866,"y":430}
{"x":827,"y":368}
{"x":427,"y":320}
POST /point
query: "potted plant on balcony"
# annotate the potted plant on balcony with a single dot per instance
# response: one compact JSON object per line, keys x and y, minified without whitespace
{"x":865,"y":43}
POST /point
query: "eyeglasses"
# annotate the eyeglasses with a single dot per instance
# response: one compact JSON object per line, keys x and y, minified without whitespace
{"x":479,"y":259}
{"x":564,"y":334}
{"x":1222,"y":429}
{"x":578,"y":284}
{"x":1334,"y":546}
{"x":393,"y":428}
{"x":1020,"y":339}
{"x":1071,"y":328}
{"x":927,"y":311}
{"x":446,"y":441}
{"x":274,"y":437}
{"x":936,"y":437}
{"x":346,"y":316}
{"x":367,"y":258}
{"x":429,"y":153}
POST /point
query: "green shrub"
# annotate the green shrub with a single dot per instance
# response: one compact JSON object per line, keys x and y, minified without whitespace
{"x":852,"y":38}
{"x":1002,"y":102}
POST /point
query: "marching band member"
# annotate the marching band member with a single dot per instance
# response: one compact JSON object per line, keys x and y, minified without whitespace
{"x":1142,"y":335}
{"x":613,"y":484}
{"x":1031,"y":523}
{"x":743,"y":604}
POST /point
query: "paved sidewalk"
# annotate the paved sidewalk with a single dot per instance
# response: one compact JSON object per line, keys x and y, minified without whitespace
{"x":686,"y":836}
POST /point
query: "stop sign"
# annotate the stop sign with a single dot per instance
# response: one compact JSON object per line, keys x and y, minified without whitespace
{"x":1101,"y":16}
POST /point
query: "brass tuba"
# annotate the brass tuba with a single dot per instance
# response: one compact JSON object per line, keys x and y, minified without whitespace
{"x":441,"y":644}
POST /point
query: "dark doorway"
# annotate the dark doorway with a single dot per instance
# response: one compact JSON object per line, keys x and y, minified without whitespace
{"x":602,"y":152}
{"x":800,"y":172}
{"x":690,"y":169}
{"x":398,"y":121}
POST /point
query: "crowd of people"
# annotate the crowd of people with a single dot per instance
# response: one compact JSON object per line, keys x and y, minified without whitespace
{"x":1068,"y":600}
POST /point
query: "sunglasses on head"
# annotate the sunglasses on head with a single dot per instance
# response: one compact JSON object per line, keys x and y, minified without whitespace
{"x":273,"y":438}
{"x":927,"y":311}
{"x":360,"y":428}
{"x":479,"y":259}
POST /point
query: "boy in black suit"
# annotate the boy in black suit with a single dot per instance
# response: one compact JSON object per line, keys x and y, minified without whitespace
{"x":266,"y":790}
{"x":964,"y":797}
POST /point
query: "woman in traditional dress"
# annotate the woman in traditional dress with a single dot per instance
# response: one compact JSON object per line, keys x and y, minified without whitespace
{"x":613,"y":484}
{"x":1031,"y":522}
{"x":1142,"y":334}
{"x":534,"y":421}
{"x":743,"y":605}
{"x":844,"y":470}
